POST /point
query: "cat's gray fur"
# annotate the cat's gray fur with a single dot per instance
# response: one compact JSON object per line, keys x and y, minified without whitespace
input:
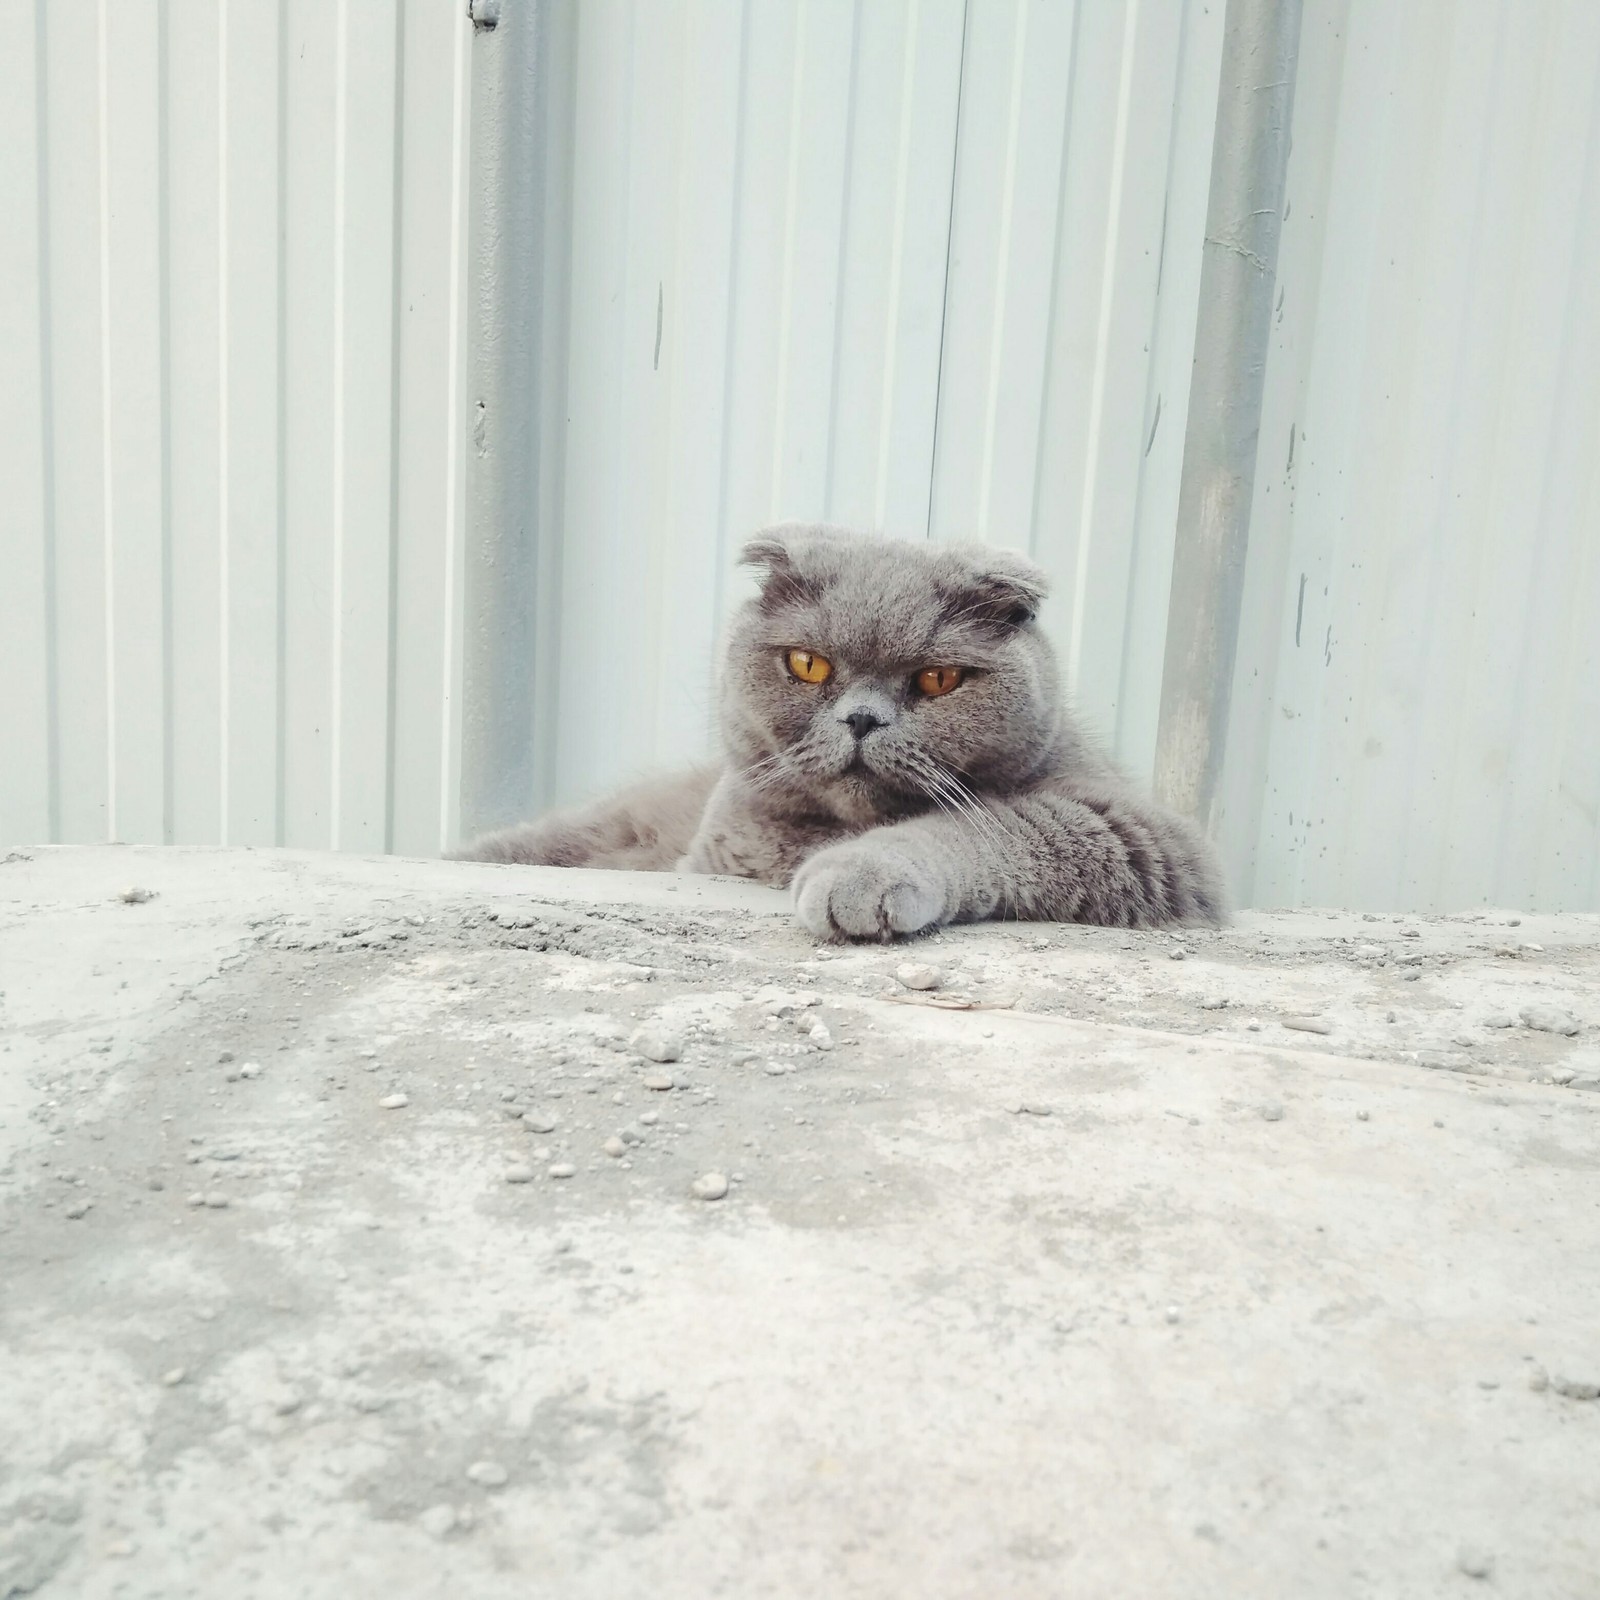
{"x":985,"y":802}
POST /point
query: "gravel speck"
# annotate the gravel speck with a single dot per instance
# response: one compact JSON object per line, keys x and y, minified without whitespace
{"x":80,"y":1209}
{"x":519,"y":1173}
{"x":217,"y":1200}
{"x":1573,"y":1389}
{"x":135,"y":895}
{"x":657,"y":1080}
{"x":561,"y":1169}
{"x":538,"y":1122}
{"x":393,"y":1102}
{"x":919,"y":975}
{"x":438,"y":1520}
{"x":1363,"y":1116}
{"x":712,"y":1186}
{"x":174,"y":1376}
{"x":1549,"y":1019}
{"x":1308,"y":1024}
{"x":251,"y":1069}
{"x":1272,"y":1112}
{"x":1498,"y":1019}
{"x":657,"y":1044}
{"x":615,"y":1148}
{"x":488,"y":1474}
{"x":1476,"y":1563}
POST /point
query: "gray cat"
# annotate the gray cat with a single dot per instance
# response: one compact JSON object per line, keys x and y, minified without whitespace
{"x":897,"y":749}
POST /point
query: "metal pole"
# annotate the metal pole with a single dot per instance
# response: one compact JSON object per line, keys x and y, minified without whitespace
{"x":506,"y":252}
{"x":1244,"y":218}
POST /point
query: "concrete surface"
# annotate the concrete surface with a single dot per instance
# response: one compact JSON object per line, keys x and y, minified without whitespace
{"x":1113,"y":1285}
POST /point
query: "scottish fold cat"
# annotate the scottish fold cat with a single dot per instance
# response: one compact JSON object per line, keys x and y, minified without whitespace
{"x":897,"y":751}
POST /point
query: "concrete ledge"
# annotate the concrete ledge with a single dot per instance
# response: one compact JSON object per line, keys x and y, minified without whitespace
{"x":1256,"y":1263}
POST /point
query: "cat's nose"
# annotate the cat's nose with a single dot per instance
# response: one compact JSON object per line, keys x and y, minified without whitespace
{"x":861,"y":723}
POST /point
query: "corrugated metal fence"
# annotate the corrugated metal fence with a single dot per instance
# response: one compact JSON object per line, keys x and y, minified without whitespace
{"x":929,"y":266}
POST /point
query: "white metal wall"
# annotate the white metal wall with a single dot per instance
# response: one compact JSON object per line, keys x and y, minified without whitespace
{"x":929,"y":266}
{"x":919,"y":266}
{"x":1417,"y":710}
{"x":229,"y":311}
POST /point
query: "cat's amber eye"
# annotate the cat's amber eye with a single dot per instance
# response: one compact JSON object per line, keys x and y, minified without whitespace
{"x":809,"y":667}
{"x":939,"y":680}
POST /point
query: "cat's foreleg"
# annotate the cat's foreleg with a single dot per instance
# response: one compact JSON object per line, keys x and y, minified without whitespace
{"x":1100,"y":856}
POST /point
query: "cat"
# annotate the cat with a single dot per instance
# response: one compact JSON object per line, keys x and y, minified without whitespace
{"x":899,"y":754}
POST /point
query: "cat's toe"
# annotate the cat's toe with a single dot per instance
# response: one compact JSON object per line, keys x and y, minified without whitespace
{"x":858,"y":896}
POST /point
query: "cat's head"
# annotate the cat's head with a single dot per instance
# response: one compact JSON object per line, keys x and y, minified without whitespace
{"x":867,"y":673}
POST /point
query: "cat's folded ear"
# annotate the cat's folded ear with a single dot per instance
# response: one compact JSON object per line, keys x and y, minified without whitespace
{"x":1007,"y":586}
{"x":776,"y":553}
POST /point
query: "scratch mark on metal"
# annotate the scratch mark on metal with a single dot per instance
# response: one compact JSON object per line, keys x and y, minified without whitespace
{"x":1300,"y":611}
{"x":1155,"y":422}
{"x":1258,"y":262}
{"x":660,"y":305}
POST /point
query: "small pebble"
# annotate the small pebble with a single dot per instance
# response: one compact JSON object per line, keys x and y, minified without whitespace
{"x":1272,"y":1112}
{"x":217,"y":1201}
{"x":520,"y":1173}
{"x":1474,"y":1562}
{"x":1178,"y":954}
{"x":775,"y":1069}
{"x":1308,"y":1024}
{"x":136,"y":895}
{"x":488,"y":1474}
{"x":657,"y":1044}
{"x":438,"y":1520}
{"x":393,"y":1102}
{"x":1363,"y":1116}
{"x":1549,"y":1019}
{"x":820,"y":1036}
{"x":251,"y":1069}
{"x":81,"y":1209}
{"x":1443,"y":1060}
{"x":1561,"y":1075}
{"x":712,"y":1186}
{"x":649,"y":1118}
{"x":615,"y":1148}
{"x":1538,"y":1380}
{"x":538,"y":1122}
{"x":1573,"y":1389}
{"x":1499,"y":1019}
{"x":120,"y":1548}
{"x":288,"y":1405}
{"x":1172,"y":1313}
{"x":174,"y":1377}
{"x":657,"y":1080}
{"x":919,"y":975}
{"x":561,"y":1169}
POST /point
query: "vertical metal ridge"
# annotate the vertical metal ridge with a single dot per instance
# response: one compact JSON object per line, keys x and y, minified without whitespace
{"x":455,"y":432}
{"x":780,"y":416}
{"x":1052,"y":307}
{"x":396,"y":322}
{"x":341,"y":129}
{"x":106,"y":486}
{"x":224,"y":506}
{"x":897,"y":255}
{"x":845,"y":189}
{"x":1102,"y":343}
{"x":949,"y":246}
{"x":164,"y":343}
{"x":997,"y":325}
{"x":1152,"y":376}
{"x":731,"y":322}
{"x":1244,"y":217}
{"x":47,"y":428}
{"x":1542,"y":530}
{"x":280,"y":798}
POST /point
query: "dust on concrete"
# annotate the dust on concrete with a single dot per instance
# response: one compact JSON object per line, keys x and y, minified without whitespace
{"x":1076,"y":1226}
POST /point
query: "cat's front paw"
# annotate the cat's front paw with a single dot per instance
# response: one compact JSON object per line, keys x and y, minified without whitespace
{"x":867,"y":891}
